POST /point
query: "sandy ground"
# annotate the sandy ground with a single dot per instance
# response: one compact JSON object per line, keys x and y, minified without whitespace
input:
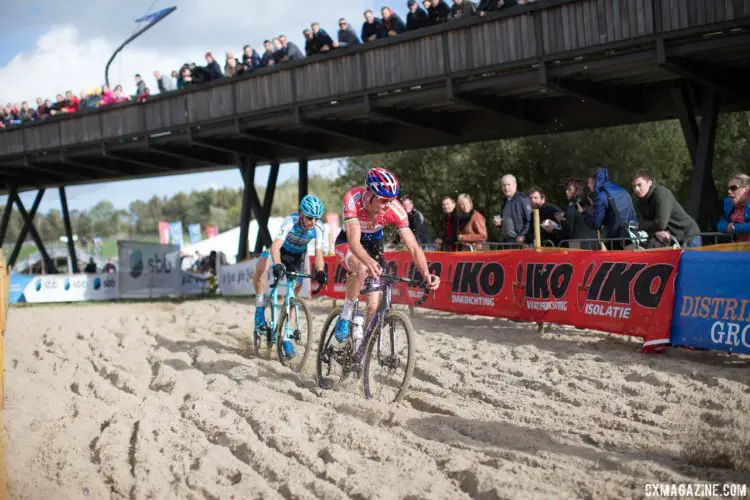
{"x":157,"y":401}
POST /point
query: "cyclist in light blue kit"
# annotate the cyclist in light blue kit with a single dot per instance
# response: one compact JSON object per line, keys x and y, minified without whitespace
{"x":289,"y":250}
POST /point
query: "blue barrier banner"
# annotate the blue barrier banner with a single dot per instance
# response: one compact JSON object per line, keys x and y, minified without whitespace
{"x":712,"y":303}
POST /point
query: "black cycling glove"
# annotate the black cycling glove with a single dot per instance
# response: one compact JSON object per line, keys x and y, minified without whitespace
{"x":321,"y":277}
{"x":278,"y":270}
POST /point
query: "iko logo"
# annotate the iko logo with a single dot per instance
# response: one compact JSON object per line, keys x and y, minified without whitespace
{"x":435,"y":268}
{"x":477,"y":283}
{"x":619,"y":284}
{"x":543,"y":287}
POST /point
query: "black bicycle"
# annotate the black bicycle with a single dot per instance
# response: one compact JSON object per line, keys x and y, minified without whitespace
{"x":376,"y":350}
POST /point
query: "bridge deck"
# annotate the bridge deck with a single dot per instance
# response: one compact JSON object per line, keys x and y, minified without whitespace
{"x":547,"y":67}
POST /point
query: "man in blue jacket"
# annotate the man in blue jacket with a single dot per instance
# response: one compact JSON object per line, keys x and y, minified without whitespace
{"x":613,"y":209}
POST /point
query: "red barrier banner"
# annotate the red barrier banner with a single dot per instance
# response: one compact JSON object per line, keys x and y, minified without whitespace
{"x":630,"y":293}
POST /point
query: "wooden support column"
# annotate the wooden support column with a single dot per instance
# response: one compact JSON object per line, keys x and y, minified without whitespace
{"x":264,"y":235}
{"x":302,"y":185}
{"x":12,"y":192}
{"x":705,"y":203}
{"x":247,"y":170}
{"x":68,"y":230}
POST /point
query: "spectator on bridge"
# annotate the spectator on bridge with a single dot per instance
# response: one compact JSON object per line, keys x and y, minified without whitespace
{"x":548,"y":215}
{"x":347,"y":37}
{"x":268,"y":56}
{"x":515,"y":218}
{"x":416,"y":221}
{"x":462,"y":8}
{"x":487,"y":6}
{"x":27,"y":114}
{"x":736,"y":215}
{"x":42,"y":109}
{"x":323,"y":41}
{"x":417,"y":17}
{"x":372,"y":28}
{"x":140,"y":85}
{"x":213,"y":69}
{"x":310,"y":48}
{"x":472,"y":227}
{"x":230,"y":64}
{"x":613,"y":209}
{"x":290,"y":50}
{"x":250,"y":58}
{"x":437,"y":11}
{"x":163,"y":82}
{"x":573,"y":229}
{"x":660,"y":215}
{"x":449,"y":231}
{"x":392,"y":23}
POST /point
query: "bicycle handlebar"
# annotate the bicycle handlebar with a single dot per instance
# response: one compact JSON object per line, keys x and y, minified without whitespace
{"x":290,"y":275}
{"x":411,"y":282}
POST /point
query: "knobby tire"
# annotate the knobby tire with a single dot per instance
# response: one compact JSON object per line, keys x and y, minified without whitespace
{"x":324,"y":334}
{"x":372,"y":344}
{"x":304,"y":343}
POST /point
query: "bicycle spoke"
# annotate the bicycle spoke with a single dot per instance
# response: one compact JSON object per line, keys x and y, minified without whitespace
{"x":389,"y":360}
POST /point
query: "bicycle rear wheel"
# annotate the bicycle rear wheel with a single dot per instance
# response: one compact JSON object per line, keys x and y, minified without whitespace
{"x":328,"y":370}
{"x":301,"y":326}
{"x":389,"y":359}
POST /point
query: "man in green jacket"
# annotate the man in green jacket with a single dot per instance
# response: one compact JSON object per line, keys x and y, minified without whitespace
{"x":659,"y":213}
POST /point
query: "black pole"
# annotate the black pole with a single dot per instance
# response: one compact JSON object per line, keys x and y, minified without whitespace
{"x":27,"y":223}
{"x":130,"y":39}
{"x":247,"y":169}
{"x":68,"y":230}
{"x":264,"y":236}
{"x":303,"y":179}
{"x":12,"y":191}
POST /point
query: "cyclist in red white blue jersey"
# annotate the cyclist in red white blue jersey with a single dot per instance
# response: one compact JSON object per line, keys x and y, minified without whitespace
{"x":359,"y":245}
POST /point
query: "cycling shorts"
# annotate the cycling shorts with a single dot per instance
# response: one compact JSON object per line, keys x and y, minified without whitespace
{"x":294,"y":262}
{"x":374,"y":249}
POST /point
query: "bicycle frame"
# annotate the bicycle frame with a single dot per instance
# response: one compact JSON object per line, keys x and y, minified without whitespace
{"x":292,"y":280}
{"x":384,"y":307}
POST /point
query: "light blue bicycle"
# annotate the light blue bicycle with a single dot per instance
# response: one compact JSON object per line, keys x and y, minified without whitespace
{"x":292,"y":321}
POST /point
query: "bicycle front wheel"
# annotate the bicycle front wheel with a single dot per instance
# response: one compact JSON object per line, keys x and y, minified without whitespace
{"x":300,"y":327}
{"x":389,"y":359}
{"x":329,"y":372}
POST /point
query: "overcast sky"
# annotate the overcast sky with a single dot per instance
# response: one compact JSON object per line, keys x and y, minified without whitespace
{"x":48,"y":47}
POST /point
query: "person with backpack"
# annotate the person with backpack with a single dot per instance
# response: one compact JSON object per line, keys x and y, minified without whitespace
{"x":613,"y":209}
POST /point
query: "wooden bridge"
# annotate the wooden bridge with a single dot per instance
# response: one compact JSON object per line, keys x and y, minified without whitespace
{"x":548,"y":67}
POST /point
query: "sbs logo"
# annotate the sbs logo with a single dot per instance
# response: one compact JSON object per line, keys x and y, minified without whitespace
{"x":136,"y":263}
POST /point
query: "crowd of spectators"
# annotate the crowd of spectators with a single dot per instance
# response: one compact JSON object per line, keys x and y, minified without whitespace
{"x":605,"y":218}
{"x":277,"y":50}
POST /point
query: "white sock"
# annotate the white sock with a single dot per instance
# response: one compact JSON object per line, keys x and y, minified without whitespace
{"x":259,"y":300}
{"x":348,"y":309}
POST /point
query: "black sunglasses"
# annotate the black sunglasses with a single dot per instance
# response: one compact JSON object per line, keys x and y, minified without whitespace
{"x":734,"y":187}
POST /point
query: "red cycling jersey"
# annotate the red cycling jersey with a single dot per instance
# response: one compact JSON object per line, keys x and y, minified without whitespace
{"x":355,"y":208}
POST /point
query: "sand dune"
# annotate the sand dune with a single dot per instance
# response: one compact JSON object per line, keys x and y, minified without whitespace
{"x":160,"y":401}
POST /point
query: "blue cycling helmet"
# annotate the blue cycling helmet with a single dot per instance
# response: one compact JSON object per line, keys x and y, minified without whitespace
{"x":311,"y":206}
{"x":382,"y":183}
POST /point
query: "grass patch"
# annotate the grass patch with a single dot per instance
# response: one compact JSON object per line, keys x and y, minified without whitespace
{"x":720,"y":443}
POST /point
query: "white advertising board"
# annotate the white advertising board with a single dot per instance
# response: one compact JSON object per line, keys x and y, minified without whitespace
{"x":148,"y":270}
{"x":63,"y":288}
{"x":237,"y":280}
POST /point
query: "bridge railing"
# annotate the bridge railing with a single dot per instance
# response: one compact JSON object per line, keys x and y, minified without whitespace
{"x":516,"y":37}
